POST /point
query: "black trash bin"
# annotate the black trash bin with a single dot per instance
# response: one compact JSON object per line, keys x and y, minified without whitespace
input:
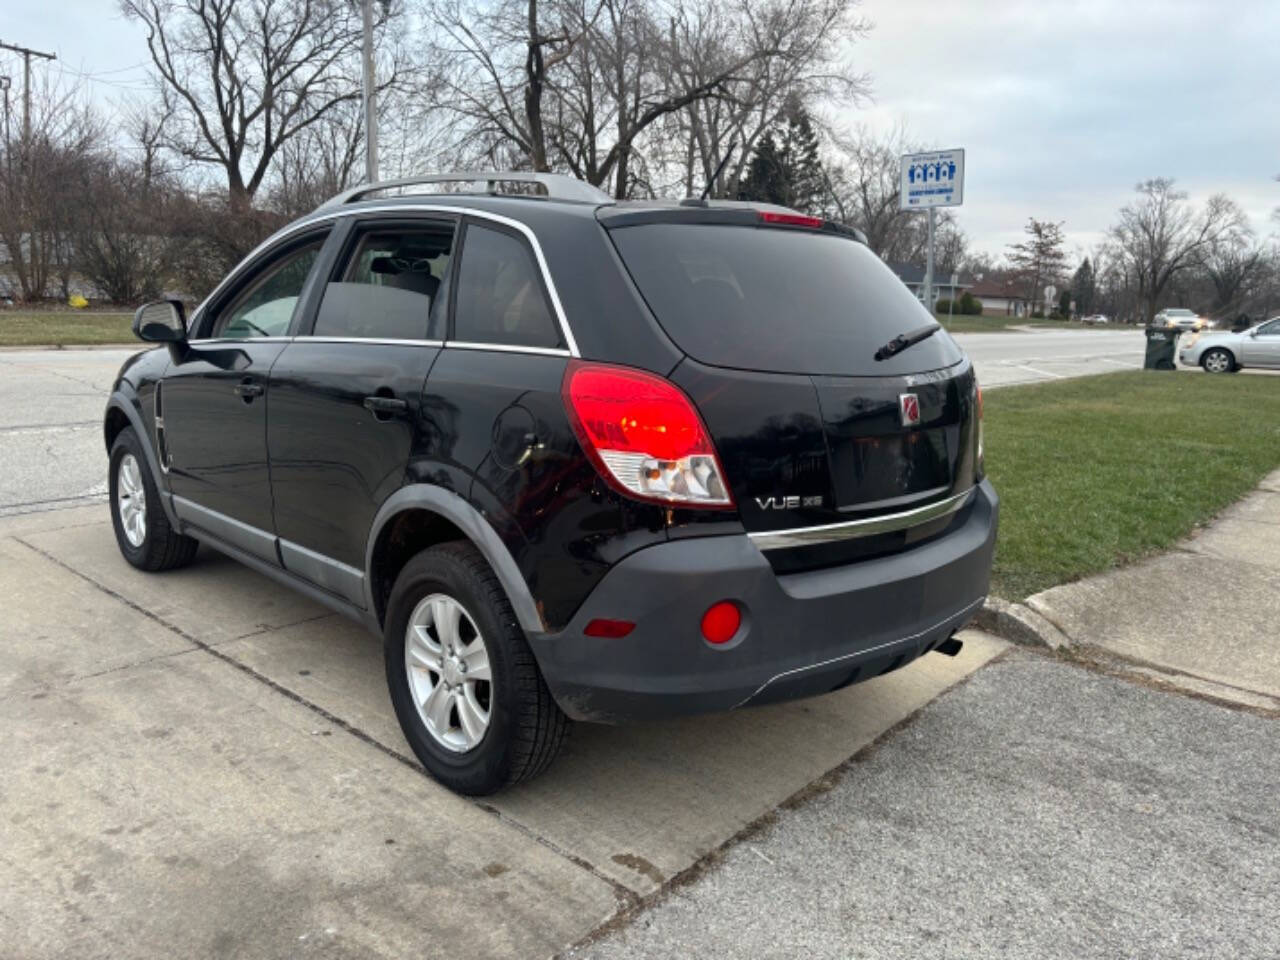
{"x":1162,"y":346}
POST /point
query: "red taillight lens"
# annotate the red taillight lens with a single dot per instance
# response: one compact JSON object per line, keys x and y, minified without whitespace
{"x":644,"y":435}
{"x":721,"y":622}
{"x":611,"y":629}
{"x":791,"y":220}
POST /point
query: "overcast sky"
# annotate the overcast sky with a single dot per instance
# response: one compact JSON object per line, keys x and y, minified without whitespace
{"x":1061,"y":105}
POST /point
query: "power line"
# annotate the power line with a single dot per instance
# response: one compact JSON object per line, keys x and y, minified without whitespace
{"x":27,"y":54}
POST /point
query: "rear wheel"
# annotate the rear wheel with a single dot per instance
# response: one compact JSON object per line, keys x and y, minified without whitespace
{"x":1218,"y":360}
{"x":143,"y":532}
{"x":463,"y":681}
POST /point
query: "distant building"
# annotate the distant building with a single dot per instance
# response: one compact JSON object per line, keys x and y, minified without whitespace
{"x":1002,"y":296}
{"x":913,"y":277}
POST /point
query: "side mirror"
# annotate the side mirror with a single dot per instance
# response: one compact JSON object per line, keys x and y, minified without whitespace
{"x":160,"y":321}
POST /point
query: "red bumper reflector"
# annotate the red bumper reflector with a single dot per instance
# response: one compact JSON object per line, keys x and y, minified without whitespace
{"x":721,"y":622}
{"x":609,"y":628}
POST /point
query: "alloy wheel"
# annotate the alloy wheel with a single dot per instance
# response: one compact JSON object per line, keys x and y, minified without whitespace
{"x":131,"y":500}
{"x":447,"y":664}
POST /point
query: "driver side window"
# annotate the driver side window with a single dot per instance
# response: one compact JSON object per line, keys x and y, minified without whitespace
{"x":265,"y":307}
{"x":1271,"y":329}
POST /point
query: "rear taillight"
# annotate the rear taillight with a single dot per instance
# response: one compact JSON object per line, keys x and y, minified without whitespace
{"x":644,"y":435}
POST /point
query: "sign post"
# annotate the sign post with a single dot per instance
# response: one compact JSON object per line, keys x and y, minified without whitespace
{"x":928,"y":181}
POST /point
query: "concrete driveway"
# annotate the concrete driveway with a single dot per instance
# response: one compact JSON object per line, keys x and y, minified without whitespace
{"x":202,"y":763}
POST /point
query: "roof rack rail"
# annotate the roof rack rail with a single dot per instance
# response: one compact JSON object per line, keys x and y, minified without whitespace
{"x":557,"y":186}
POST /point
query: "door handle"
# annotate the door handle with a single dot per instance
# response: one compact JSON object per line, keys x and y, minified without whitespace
{"x":247,"y":389}
{"x":384,"y":408}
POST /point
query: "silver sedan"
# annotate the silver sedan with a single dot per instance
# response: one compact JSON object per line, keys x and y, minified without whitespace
{"x":1259,"y":346}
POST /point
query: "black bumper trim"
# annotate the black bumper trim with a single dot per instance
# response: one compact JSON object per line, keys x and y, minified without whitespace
{"x":959,"y":615}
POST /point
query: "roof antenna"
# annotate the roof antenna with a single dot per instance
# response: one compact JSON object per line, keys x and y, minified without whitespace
{"x":716,"y":176}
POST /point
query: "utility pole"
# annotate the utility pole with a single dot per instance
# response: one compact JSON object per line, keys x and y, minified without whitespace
{"x":928,"y":263}
{"x":370,"y":87}
{"x":5,"y":84}
{"x":27,"y":54}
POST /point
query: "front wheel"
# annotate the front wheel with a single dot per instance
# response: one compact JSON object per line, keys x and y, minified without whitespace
{"x":465,"y":687}
{"x":143,"y":532}
{"x":1218,"y":361}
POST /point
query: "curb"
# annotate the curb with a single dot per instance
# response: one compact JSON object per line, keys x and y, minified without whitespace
{"x":1020,"y":624}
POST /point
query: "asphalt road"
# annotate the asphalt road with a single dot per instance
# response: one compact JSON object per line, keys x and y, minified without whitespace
{"x":51,"y":403}
{"x":1038,"y":810}
{"x":1004,"y":359}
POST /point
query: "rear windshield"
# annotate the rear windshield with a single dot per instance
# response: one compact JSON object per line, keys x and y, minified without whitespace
{"x":780,"y":300}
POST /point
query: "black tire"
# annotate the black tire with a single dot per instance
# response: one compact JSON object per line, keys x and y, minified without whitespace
{"x":162,"y":547}
{"x":1218,"y":351}
{"x":526,"y":729}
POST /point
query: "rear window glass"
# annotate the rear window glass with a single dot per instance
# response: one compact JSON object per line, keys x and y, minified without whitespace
{"x":778,"y":300}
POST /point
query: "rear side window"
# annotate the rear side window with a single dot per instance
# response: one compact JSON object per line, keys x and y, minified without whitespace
{"x":500,"y":295}
{"x":392,"y":286}
{"x":788,"y":301}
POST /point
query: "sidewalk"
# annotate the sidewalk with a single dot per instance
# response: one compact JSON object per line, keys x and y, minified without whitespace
{"x":1204,"y":616}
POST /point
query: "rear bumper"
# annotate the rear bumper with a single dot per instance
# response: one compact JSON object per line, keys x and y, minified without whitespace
{"x":802,"y":634}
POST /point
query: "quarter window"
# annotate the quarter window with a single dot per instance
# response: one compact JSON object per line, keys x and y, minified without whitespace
{"x":394,"y":286}
{"x":500,"y":294}
{"x":265,"y":307}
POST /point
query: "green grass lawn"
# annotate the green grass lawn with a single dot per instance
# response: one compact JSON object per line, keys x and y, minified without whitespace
{"x":63,"y":327}
{"x":995,"y":324}
{"x":1100,"y":471}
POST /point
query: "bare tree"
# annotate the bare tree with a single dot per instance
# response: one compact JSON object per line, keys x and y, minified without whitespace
{"x":37,"y":206}
{"x":810,"y":65}
{"x":121,"y":238}
{"x":1236,"y":266}
{"x":594,"y":86}
{"x":245,"y":77}
{"x":1159,"y":235}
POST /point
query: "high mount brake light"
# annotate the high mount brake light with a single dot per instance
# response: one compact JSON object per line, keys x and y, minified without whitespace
{"x":791,"y":220}
{"x":644,"y":436}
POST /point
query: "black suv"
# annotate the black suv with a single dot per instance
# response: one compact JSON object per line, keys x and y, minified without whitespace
{"x":570,"y":457}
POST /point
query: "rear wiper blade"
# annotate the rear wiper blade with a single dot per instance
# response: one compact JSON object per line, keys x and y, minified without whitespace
{"x":904,"y":340}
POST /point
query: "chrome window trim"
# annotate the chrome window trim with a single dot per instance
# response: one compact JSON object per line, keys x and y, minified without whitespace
{"x":386,"y":341}
{"x":204,"y":341}
{"x":853,"y":529}
{"x":508,"y":348}
{"x":565,"y":330}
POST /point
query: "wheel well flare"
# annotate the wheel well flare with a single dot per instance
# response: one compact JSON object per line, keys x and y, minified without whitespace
{"x":401,"y":538}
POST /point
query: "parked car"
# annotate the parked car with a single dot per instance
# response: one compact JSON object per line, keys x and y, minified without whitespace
{"x":571,"y":458}
{"x":1179,"y":318}
{"x":1094,"y":319}
{"x":1223,"y":352}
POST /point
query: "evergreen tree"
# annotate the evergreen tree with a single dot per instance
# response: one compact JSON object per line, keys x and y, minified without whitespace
{"x":1083,"y":288}
{"x":1039,"y":260}
{"x":786,"y":169}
